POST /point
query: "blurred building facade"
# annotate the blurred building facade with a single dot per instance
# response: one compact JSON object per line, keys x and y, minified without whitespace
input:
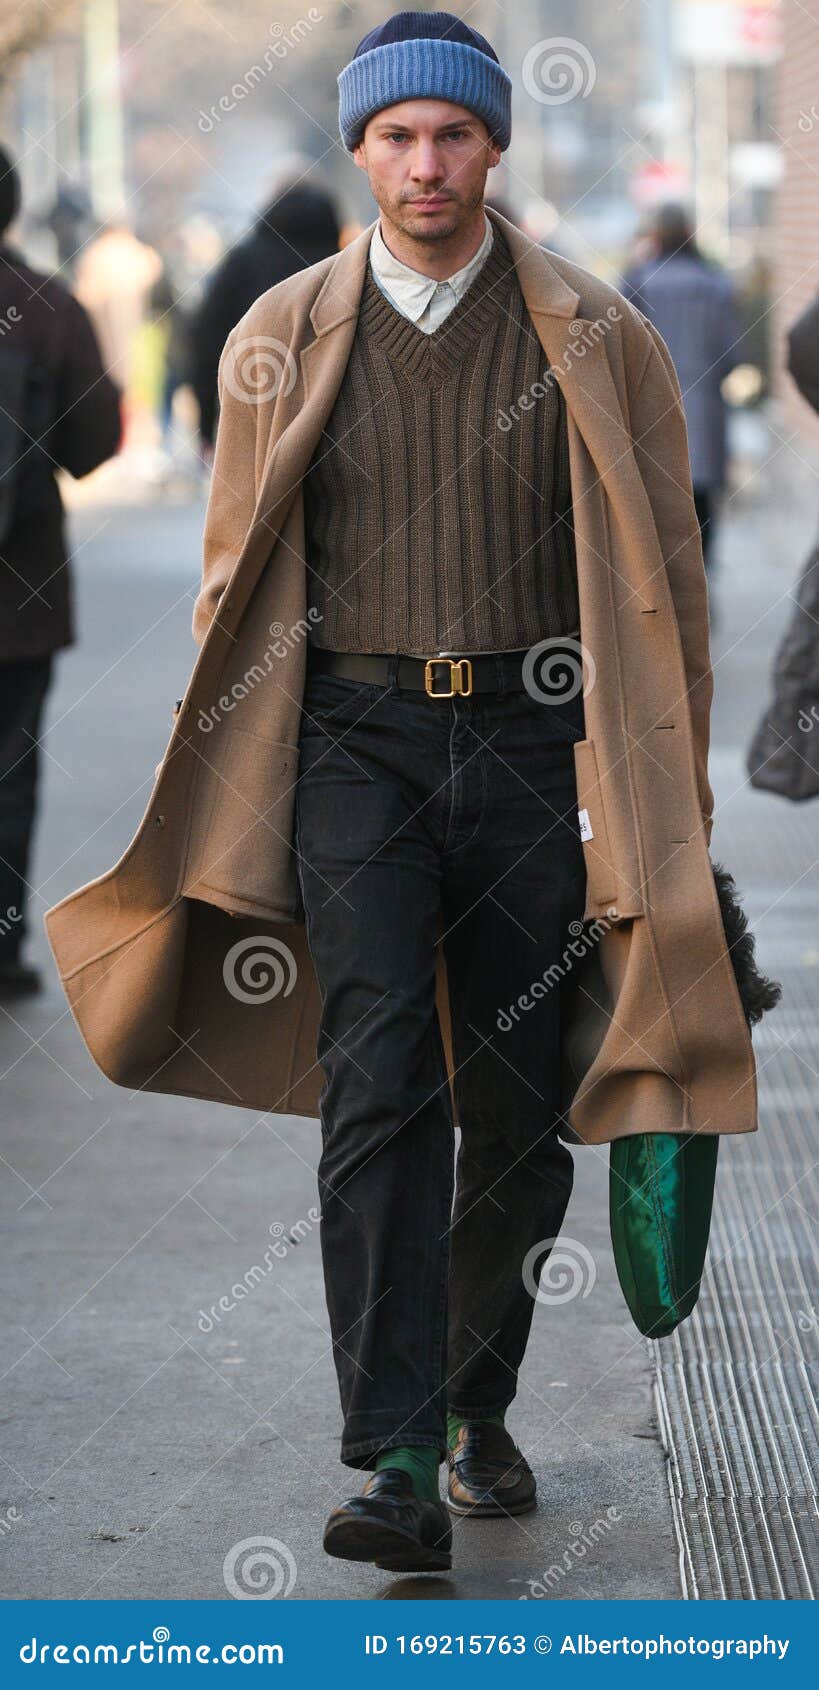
{"x":795,"y":277}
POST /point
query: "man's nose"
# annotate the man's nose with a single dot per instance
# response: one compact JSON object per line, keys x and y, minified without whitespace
{"x":427,"y":165}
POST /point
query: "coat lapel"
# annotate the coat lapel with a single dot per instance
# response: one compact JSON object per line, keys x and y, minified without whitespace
{"x":576,"y":350}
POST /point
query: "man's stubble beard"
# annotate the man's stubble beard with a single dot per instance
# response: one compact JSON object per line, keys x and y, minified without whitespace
{"x":426,"y":229}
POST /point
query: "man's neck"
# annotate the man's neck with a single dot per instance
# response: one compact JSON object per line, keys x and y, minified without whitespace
{"x":438,"y":259}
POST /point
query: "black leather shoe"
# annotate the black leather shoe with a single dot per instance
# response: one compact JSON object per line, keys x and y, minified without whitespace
{"x":388,"y":1524}
{"x":488,"y":1474}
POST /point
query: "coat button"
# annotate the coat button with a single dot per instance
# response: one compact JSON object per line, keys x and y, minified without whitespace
{"x":159,"y":820}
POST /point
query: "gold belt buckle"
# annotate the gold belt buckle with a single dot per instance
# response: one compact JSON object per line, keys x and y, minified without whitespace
{"x":460,"y":675}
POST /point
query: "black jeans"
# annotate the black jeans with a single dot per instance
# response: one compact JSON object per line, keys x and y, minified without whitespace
{"x":419,"y":818}
{"x":23,"y":688}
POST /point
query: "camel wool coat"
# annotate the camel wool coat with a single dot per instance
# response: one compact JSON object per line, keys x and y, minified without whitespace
{"x":186,"y":965}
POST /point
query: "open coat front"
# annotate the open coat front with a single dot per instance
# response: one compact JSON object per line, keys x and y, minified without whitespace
{"x":186,"y":965}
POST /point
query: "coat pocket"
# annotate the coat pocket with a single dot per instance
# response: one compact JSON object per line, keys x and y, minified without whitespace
{"x":605,"y":888}
{"x":242,"y":821}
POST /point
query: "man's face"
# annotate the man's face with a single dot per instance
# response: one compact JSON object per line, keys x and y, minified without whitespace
{"x":427,"y":162}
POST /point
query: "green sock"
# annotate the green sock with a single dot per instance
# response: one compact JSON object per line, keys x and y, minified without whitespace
{"x":421,"y":1462}
{"x":454,"y":1422}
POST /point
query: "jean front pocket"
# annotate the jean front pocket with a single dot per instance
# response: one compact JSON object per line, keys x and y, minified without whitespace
{"x":541,"y":720}
{"x":568,"y":723}
{"x":330,"y":700}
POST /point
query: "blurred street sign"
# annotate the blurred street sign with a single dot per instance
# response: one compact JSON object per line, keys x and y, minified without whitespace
{"x":728,"y":32}
{"x":658,"y":181}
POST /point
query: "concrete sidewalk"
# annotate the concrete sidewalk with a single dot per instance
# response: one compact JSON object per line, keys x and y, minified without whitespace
{"x":150,"y":1430}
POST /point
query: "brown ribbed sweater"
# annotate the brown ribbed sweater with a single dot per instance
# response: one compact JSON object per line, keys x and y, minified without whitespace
{"x":429,"y":527}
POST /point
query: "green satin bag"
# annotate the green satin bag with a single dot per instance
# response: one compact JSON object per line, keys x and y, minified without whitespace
{"x":661,"y":1192}
{"x":661,"y":1185}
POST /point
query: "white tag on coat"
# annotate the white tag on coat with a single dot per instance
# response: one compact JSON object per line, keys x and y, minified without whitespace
{"x":585,"y":824}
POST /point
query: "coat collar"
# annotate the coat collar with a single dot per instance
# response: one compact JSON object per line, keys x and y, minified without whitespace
{"x":544,"y":290}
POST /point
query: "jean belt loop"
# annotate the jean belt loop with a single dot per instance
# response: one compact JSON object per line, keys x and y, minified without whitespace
{"x":392,"y":671}
{"x":501,"y":674}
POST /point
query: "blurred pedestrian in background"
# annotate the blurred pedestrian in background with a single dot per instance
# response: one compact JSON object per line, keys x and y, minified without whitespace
{"x":783,"y":755}
{"x":114,"y":277}
{"x":58,"y":410}
{"x":300,"y":226}
{"x":691,"y":300}
{"x":160,"y":365}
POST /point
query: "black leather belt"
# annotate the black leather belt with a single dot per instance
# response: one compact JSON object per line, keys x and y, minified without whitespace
{"x":440,"y":677}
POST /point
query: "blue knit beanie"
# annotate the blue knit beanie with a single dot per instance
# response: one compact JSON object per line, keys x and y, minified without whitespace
{"x":417,"y":55}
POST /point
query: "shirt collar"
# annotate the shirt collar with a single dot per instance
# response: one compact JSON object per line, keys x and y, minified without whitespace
{"x":414,"y":289}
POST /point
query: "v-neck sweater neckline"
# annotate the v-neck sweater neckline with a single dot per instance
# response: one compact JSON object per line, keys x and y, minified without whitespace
{"x":443,"y":351}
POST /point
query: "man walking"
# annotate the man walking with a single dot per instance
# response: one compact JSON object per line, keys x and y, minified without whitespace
{"x":435,"y":792}
{"x":470,"y":456}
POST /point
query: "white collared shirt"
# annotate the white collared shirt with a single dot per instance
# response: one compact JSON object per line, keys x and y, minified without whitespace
{"x":421,"y":298}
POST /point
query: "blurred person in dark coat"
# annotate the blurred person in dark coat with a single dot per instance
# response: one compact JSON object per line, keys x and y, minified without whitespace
{"x":299,"y":227}
{"x":783,"y":755}
{"x":692,"y":303}
{"x":58,"y":410}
